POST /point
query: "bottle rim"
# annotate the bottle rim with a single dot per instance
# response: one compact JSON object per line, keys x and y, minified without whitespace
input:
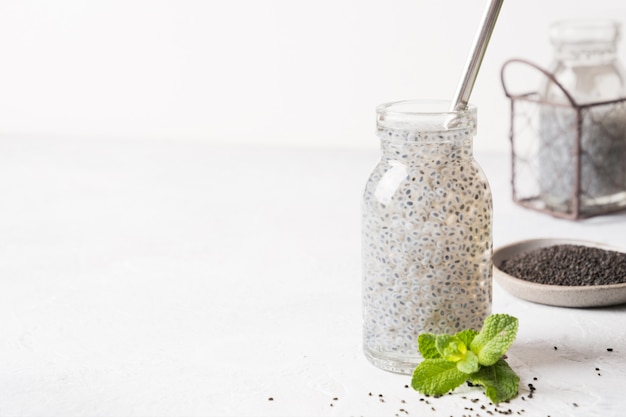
{"x":425,"y":115}
{"x":581,"y":31}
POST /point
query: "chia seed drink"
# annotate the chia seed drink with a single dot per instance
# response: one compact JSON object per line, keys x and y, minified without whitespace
{"x":589,"y":167}
{"x":601,"y":175}
{"x":426,"y":232}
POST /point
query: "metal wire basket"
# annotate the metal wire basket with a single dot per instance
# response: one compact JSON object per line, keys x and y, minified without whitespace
{"x":567,"y":159}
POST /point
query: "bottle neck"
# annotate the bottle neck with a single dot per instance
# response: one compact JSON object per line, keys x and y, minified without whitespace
{"x":420,"y":133}
{"x":588,"y":53}
{"x":436,"y":152}
{"x":585,"y":42}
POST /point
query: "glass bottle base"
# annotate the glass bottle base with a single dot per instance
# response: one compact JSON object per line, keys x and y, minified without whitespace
{"x":392,"y":363}
{"x":588,"y":206}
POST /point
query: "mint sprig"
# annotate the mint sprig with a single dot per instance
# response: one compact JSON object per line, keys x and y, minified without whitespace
{"x":450,"y":360}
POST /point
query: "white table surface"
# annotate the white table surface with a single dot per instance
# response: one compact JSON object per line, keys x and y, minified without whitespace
{"x":182,"y":279}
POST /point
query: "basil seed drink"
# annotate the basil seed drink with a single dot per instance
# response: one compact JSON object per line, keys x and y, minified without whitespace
{"x":426,"y":232}
{"x":581,"y":161}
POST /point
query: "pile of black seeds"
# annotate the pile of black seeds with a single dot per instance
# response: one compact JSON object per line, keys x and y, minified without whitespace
{"x":574,"y":265}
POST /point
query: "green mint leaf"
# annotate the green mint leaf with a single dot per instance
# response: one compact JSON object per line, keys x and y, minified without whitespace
{"x":469,"y":364}
{"x":427,"y":346}
{"x":450,"y":360}
{"x":437,"y":377}
{"x":466,"y":336}
{"x":495,"y":338}
{"x":450,"y":348}
{"x":500,"y":381}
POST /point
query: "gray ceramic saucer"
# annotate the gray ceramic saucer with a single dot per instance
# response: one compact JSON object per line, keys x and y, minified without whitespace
{"x":556,"y":295}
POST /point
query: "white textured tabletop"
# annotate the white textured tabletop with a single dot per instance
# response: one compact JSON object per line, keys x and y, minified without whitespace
{"x":181,"y":279}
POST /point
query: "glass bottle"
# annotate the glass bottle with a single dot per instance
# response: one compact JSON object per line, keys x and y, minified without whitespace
{"x":426,"y":232}
{"x":588,"y":69}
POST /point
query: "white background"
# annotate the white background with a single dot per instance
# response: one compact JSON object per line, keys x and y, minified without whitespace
{"x":274,"y":72}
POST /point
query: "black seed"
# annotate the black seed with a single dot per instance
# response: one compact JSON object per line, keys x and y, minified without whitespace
{"x":571,"y":265}
{"x":270,"y":399}
{"x":609,"y":349}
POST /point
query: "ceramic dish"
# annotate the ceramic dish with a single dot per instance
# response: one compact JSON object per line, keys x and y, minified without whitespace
{"x":556,"y":295}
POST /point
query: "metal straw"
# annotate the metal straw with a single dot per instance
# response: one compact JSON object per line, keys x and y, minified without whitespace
{"x":475,"y":58}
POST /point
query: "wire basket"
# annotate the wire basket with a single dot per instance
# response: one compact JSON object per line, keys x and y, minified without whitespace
{"x":567,"y":159}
